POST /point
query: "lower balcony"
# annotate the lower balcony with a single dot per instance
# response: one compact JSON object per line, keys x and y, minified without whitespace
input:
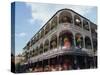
{"x":61,"y":51}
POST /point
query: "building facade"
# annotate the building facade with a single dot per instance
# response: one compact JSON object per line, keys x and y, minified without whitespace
{"x":67,"y":39}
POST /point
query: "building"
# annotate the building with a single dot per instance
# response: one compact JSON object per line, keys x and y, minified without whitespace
{"x":67,"y":39}
{"x":19,"y":59}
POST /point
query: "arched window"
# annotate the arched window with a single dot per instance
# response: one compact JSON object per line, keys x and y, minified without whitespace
{"x":54,"y":22}
{"x":53,"y":42}
{"x":28,"y":45}
{"x":42,"y":33}
{"x":37,"y":37}
{"x":88,"y":43}
{"x":77,"y":21}
{"x":66,"y":39}
{"x":94,"y":33}
{"x":46,"y":45}
{"x":41,"y":49}
{"x":32,"y":42}
{"x":79,"y":40}
{"x":94,"y":38}
{"x":86,"y":25}
{"x":36,"y":51}
{"x":33,"y":52}
{"x":47,"y":28}
{"x":95,"y":45}
{"x":65,"y":17}
{"x":34,"y":39}
{"x":26,"y":55}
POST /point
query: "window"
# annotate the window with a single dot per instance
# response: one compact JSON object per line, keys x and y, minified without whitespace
{"x":77,"y":20}
{"x":28,"y":45}
{"x":36,"y":51}
{"x":66,"y":39}
{"x":37,"y":37}
{"x":53,"y":42}
{"x":95,"y":45}
{"x":85,"y":25}
{"x":47,"y":28}
{"x":31,"y":42}
{"x":88,"y":43}
{"x":33,"y":52}
{"x":94,"y":33}
{"x":65,"y":17}
{"x":42,"y":33}
{"x":41,"y":49}
{"x":79,"y":40}
{"x":54,"y":22}
{"x":46,"y":45}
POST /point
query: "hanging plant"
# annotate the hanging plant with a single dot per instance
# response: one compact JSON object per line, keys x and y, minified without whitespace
{"x":78,"y":41}
{"x":67,"y":43}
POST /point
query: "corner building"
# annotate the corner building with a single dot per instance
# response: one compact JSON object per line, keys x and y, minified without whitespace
{"x":66,"y":39}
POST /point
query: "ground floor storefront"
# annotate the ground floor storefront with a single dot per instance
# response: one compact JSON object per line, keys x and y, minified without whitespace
{"x":61,"y":62}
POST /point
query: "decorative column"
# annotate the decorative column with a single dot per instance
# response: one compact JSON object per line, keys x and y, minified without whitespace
{"x":49,"y":43}
{"x":83,"y":41}
{"x":83,"y":34}
{"x":82,"y":24}
{"x":72,"y":18}
{"x":74,"y":40}
{"x":58,"y":41}
{"x":85,"y":61}
{"x":58,"y":18}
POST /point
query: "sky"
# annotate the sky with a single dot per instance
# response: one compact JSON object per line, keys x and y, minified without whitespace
{"x":30,"y":17}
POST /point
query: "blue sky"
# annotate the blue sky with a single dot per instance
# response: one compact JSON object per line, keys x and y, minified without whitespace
{"x":30,"y":17}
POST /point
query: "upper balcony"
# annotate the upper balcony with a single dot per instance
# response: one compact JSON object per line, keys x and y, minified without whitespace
{"x":64,"y":24}
{"x":66,"y":44}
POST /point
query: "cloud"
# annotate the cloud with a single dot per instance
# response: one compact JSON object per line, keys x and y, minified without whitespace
{"x":22,"y":34}
{"x":82,"y":10}
{"x":43,"y":12}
